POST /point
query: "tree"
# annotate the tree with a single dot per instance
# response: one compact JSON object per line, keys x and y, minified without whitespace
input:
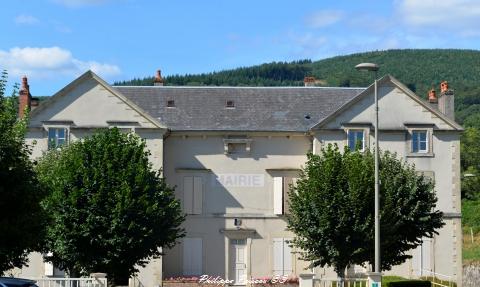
{"x":110,"y":210}
{"x":332,"y":209}
{"x":470,"y":158}
{"x":22,"y":218}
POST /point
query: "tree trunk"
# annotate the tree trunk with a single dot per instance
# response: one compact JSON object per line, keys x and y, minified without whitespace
{"x":341,"y":276}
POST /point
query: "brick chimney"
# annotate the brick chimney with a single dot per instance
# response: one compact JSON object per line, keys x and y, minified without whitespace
{"x":446,"y":100}
{"x":24,"y":97}
{"x":158,"y":81}
{"x":309,"y":81}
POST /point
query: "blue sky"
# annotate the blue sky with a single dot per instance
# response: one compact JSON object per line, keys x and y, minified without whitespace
{"x":54,"y":41}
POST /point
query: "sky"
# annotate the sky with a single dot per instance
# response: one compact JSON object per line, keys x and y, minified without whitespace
{"x":55,"y":41}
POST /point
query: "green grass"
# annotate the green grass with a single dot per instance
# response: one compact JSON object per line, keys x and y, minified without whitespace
{"x":471,"y":224}
{"x":386,"y":279}
{"x":471,"y":251}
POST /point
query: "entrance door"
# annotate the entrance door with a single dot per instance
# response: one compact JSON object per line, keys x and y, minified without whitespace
{"x":238,"y":260}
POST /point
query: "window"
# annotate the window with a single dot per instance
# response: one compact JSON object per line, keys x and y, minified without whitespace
{"x":237,"y":145}
{"x":192,"y":256}
{"x":192,"y":194}
{"x":56,"y":137}
{"x":281,"y":188}
{"x":420,"y":141}
{"x":230,"y":104}
{"x":356,"y":139}
{"x":428,"y":176}
{"x":282,"y":257}
{"x":170,"y":103}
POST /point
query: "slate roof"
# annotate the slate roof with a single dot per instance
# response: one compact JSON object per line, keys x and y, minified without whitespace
{"x":256,"y":108}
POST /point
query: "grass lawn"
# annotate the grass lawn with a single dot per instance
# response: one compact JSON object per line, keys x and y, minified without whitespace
{"x":471,"y":223}
{"x":471,"y":251}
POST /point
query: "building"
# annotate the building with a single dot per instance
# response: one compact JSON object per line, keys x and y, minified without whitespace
{"x":231,"y":152}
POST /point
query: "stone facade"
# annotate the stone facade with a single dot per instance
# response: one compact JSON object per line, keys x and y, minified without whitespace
{"x":231,"y":178}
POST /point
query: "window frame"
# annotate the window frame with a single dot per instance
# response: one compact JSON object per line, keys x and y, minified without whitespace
{"x":417,"y":138}
{"x":360,"y":127}
{"x":411,"y":130}
{"x":355,"y":133}
{"x":66,"y":138}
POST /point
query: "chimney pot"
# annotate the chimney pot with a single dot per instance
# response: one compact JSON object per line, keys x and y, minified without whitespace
{"x":432,"y":96}
{"x":309,"y":81}
{"x":443,"y":87}
{"x":158,"y":81}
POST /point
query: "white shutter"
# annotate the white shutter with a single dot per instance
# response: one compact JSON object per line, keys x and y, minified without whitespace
{"x":278,"y":195}
{"x":427,"y":255}
{"x":192,"y":256}
{"x":197,"y":195}
{"x":287,"y":258}
{"x":278,"y":256}
{"x":188,"y":194}
{"x":48,"y":266}
{"x":48,"y":269}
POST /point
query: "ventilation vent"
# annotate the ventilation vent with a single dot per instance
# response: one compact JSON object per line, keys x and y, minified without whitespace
{"x":170,"y":103}
{"x":230,"y":104}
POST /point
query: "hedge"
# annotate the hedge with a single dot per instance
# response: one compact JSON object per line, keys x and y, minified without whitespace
{"x":408,"y":283}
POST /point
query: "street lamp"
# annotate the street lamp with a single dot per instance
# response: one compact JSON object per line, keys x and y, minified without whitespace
{"x":370,"y":67}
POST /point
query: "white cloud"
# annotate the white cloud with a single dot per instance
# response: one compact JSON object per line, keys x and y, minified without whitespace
{"x":459,"y":16}
{"x":24,"y":19}
{"x":78,"y":3}
{"x":306,"y":45}
{"x":50,"y":62}
{"x":323,"y":18}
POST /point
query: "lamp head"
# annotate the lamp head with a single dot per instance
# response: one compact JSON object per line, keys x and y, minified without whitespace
{"x":367,"y":67}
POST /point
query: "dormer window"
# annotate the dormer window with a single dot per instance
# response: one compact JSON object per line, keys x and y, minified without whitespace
{"x":170,"y":103}
{"x":230,"y":104}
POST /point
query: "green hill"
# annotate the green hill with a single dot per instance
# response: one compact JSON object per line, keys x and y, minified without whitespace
{"x":419,"y":69}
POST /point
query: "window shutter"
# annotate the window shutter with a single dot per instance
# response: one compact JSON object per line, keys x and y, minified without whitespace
{"x":278,"y":195}
{"x":426,"y":255}
{"x":188,"y":194}
{"x":287,"y":258}
{"x":197,"y":195}
{"x":287,"y":182}
{"x":278,"y":256}
{"x":192,"y":256}
{"x":48,"y":269}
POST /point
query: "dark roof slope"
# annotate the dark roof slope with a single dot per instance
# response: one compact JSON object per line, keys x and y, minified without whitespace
{"x":256,"y":108}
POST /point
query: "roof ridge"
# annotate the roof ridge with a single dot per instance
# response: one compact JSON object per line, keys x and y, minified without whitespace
{"x":241,"y":87}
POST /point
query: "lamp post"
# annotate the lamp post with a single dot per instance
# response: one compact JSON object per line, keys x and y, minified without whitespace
{"x":374,"y":68}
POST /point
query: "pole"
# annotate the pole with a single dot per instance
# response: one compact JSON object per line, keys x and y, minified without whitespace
{"x":377,"y":186}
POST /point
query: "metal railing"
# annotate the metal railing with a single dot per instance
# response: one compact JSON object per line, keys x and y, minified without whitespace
{"x":71,"y":282}
{"x":336,"y":282}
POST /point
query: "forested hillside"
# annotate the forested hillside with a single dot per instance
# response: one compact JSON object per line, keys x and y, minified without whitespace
{"x":420,"y":70}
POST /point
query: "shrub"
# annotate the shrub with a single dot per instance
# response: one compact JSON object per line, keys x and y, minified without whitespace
{"x":409,"y":283}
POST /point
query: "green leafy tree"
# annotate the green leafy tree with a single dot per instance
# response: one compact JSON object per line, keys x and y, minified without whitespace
{"x":332,"y":209}
{"x":470,"y":159}
{"x":22,"y":218}
{"x":110,"y":211}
